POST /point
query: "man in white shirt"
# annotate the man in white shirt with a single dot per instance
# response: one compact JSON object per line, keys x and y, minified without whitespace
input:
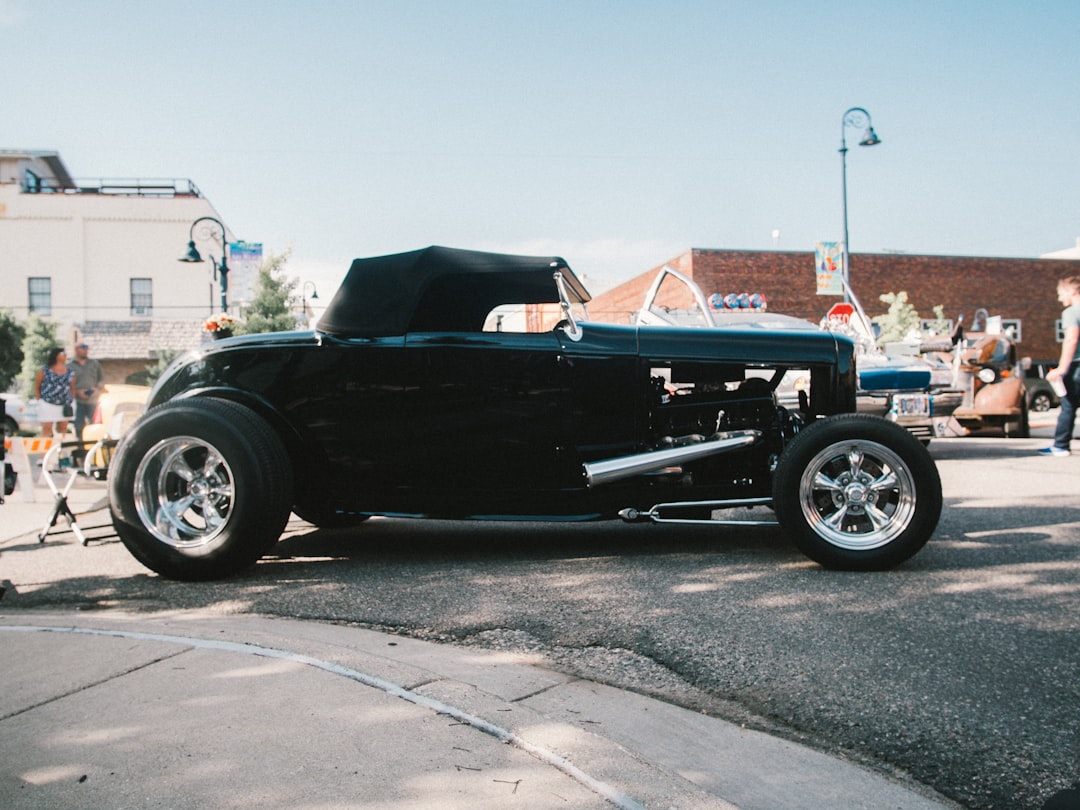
{"x":1068,"y":367}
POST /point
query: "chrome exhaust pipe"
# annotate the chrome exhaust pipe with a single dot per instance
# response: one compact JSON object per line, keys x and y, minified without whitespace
{"x":616,"y":469}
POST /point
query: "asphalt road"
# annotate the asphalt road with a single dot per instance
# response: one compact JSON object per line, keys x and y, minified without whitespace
{"x":961,"y":667}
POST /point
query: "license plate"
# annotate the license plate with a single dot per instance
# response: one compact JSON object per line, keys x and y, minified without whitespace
{"x":911,"y":404}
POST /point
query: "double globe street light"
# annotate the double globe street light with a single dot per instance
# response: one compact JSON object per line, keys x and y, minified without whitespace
{"x":221,"y":271}
{"x":853,"y":117}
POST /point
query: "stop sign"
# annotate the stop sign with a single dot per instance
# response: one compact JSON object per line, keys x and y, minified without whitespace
{"x":840,"y":312}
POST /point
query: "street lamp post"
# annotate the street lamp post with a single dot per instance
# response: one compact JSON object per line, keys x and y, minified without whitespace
{"x":853,"y":117}
{"x":304,"y":297}
{"x":221,"y":271}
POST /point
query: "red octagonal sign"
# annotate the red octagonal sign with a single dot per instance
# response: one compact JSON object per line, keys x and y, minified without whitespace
{"x":840,"y":312}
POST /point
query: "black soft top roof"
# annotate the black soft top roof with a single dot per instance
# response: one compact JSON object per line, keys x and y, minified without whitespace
{"x":439,"y":289}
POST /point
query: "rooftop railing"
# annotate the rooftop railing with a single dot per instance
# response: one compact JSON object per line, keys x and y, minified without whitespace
{"x":120,"y":187}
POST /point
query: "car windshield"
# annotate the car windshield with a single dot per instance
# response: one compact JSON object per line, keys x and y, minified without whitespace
{"x":674,"y":300}
{"x":531,"y":317}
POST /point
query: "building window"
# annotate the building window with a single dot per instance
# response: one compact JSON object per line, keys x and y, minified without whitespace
{"x":142,"y":296}
{"x":32,"y":184}
{"x":40,"y":296}
{"x":1013,"y":328}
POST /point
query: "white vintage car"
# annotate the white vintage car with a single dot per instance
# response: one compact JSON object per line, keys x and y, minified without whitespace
{"x":19,"y":414}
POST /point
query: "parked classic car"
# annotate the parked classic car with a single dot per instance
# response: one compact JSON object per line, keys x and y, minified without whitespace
{"x":400,"y":403}
{"x":118,"y":409}
{"x":986,"y":369}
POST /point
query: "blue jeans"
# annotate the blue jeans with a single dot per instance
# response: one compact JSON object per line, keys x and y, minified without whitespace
{"x":84,"y":414}
{"x":1069,"y":405}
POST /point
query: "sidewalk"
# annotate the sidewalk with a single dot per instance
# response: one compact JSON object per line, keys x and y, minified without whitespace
{"x":196,"y":710}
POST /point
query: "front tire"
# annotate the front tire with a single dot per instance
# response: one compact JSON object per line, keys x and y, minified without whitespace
{"x":857,"y":492}
{"x":200,"y":489}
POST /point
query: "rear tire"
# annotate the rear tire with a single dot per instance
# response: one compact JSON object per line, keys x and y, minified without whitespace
{"x":1040,"y":402}
{"x":857,"y":492}
{"x":200,"y":489}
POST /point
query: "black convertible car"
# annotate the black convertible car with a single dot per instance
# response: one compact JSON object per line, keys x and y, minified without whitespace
{"x":445,"y":383}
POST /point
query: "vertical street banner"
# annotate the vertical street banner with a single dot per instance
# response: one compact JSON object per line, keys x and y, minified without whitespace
{"x":245,"y":258}
{"x":829,"y":259}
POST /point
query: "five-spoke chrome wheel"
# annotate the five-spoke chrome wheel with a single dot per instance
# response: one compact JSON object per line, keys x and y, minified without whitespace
{"x":857,"y":495}
{"x":200,"y":488}
{"x":857,"y":492}
{"x":184,"y":491}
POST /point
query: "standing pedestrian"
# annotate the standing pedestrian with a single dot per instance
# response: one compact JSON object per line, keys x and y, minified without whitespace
{"x":55,"y":391}
{"x":89,"y":380}
{"x":1068,"y":367}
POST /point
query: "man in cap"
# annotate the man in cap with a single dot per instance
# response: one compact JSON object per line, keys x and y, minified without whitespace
{"x":89,"y":379}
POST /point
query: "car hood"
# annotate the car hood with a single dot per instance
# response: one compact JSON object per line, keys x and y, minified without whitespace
{"x":885,"y":373}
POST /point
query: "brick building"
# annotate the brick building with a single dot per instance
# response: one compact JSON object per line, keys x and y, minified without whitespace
{"x":1021,"y":291}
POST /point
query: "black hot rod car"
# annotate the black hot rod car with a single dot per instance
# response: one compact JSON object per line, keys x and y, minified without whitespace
{"x":445,"y":383}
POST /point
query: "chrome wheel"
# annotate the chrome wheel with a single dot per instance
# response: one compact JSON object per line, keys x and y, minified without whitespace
{"x":184,"y":492}
{"x":857,"y":495}
{"x":857,"y":492}
{"x":200,"y":488}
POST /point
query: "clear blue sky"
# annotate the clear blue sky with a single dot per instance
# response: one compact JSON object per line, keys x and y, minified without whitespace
{"x":615,"y":134}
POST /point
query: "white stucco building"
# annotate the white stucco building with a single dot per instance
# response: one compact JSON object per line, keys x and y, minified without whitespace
{"x":100,"y":258}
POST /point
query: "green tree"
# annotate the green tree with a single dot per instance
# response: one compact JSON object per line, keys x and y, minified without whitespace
{"x":12,"y":334}
{"x":269,"y":311}
{"x":900,"y":321}
{"x":940,"y":324}
{"x":40,"y":338}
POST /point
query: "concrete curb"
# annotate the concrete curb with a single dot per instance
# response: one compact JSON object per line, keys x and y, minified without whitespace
{"x":557,"y":740}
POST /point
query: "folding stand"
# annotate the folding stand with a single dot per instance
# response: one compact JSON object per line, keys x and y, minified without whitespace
{"x":60,"y":506}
